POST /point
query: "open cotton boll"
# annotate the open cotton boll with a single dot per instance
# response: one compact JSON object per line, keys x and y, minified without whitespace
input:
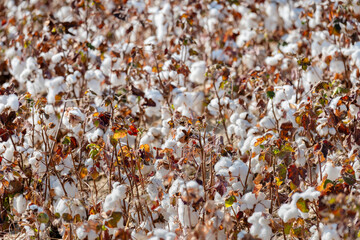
{"x":188,"y":217}
{"x":113,"y":200}
{"x":157,"y":97}
{"x":197,"y":72}
{"x":19,"y":203}
{"x":328,"y":232}
{"x":57,"y":57}
{"x":267,"y":122}
{"x":161,"y":234}
{"x":273,"y":61}
{"x":331,"y":171}
{"x":192,"y":191}
{"x":81,"y":233}
{"x":337,"y":66}
{"x":54,"y":86}
{"x":244,"y":37}
{"x":222,"y":166}
{"x":260,"y":226}
{"x":72,"y":207}
{"x":249,"y":60}
{"x":94,"y":137}
{"x":312,"y":76}
{"x":291,"y":211}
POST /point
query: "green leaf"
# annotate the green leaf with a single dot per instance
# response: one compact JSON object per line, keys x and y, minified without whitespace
{"x":229,"y":202}
{"x":302,"y":205}
{"x":287,"y":228}
{"x":115,"y":218}
{"x":270,"y":94}
{"x":66,"y":140}
{"x":282,"y":172}
{"x":43,"y":218}
{"x":90,"y":46}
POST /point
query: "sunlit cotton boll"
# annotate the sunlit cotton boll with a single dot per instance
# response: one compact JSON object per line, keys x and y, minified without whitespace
{"x":198,"y":70}
{"x":112,"y":201}
{"x":19,"y":203}
{"x":260,"y":226}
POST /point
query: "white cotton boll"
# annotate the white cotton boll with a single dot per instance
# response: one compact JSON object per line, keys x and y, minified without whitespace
{"x":198,"y":70}
{"x":12,"y":102}
{"x":97,"y":41}
{"x":9,"y":153}
{"x":152,"y":190}
{"x":332,"y":172}
{"x":54,"y":86}
{"x":273,"y":61}
{"x":287,"y":212}
{"x":329,"y":232}
{"x":17,"y":67}
{"x":245,"y":36}
{"x":156,"y":132}
{"x":353,"y":109}
{"x":57,"y":58}
{"x":72,"y":207}
{"x":185,"y":219}
{"x":249,"y":60}
{"x":337,"y":66}
{"x":223,"y":163}
{"x":98,"y":133}
{"x":19,"y":203}
{"x":81,"y":232}
{"x":163,"y":234}
{"x":267,"y":122}
{"x":231,"y":129}
{"x":332,"y":131}
{"x":234,"y":117}
{"x":175,"y":186}
{"x":110,"y":203}
{"x":118,"y":80}
{"x":260,"y":226}
{"x":146,"y":139}
{"x":169,"y":143}
{"x":120,"y":191}
{"x":323,"y":130}
{"x":64,"y":14}
{"x":248,"y":201}
{"x":239,"y":169}
{"x":290,"y":211}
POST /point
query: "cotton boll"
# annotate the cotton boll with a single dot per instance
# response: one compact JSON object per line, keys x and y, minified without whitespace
{"x":12,"y":102}
{"x":57,"y":57}
{"x":198,"y":70}
{"x":267,"y":123}
{"x":337,"y":66}
{"x":273,"y":61}
{"x":290,"y":211}
{"x":120,"y":192}
{"x":94,"y":137}
{"x":331,"y":171}
{"x":19,"y":203}
{"x":187,"y":216}
{"x":162,"y":234}
{"x":72,"y":207}
{"x":113,"y":200}
{"x":81,"y":233}
{"x":234,"y":117}
{"x":260,"y":226}
{"x":223,"y":164}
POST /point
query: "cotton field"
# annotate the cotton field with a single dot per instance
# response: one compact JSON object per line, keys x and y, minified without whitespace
{"x":169,"y":119}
